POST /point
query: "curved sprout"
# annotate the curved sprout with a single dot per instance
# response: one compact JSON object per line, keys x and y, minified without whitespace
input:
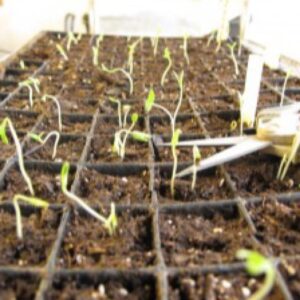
{"x":110,"y":223}
{"x":233,"y":57}
{"x":167,"y":56}
{"x":4,"y":139}
{"x":118,"y":102}
{"x":36,"y":202}
{"x":196,"y":159}
{"x":55,"y":100}
{"x":62,"y":52}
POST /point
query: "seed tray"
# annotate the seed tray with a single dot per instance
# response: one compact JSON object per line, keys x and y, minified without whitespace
{"x":146,"y":267}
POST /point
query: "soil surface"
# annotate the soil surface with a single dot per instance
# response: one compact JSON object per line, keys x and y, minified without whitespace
{"x":87,"y":244}
{"x":196,"y":240}
{"x":291,"y":273}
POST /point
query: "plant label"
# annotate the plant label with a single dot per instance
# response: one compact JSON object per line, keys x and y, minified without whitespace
{"x":251,"y":92}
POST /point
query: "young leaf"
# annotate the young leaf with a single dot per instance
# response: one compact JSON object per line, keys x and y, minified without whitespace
{"x":3,"y":135}
{"x":150,"y":100}
{"x":140,"y":136}
{"x":111,"y":223}
{"x":64,"y":173}
{"x":134,"y":118}
{"x":36,"y":137}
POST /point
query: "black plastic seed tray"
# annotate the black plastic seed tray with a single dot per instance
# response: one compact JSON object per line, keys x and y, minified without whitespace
{"x":166,"y":247}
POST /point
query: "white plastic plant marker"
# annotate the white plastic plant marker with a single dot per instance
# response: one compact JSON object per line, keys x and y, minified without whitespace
{"x":272,"y":57}
{"x":251,"y":92}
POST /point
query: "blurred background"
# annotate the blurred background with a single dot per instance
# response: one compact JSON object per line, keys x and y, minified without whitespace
{"x":270,"y":24}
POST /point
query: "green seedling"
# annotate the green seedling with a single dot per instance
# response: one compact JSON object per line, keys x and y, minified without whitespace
{"x":22,"y":65}
{"x":140,"y":136}
{"x":289,"y":157}
{"x":71,"y":39}
{"x":119,"y":143}
{"x":95,"y":51}
{"x":118,"y":102}
{"x":150,"y":102}
{"x":62,"y":51}
{"x":185,"y":48}
{"x":174,"y":143}
{"x":78,"y":37}
{"x":115,"y":70}
{"x":36,"y":202}
{"x":232,"y":47}
{"x":257,"y":264}
{"x":99,"y":40}
{"x":39,"y":139}
{"x":3,"y":136}
{"x":131,"y":50}
{"x":56,"y":102}
{"x":196,"y":159}
{"x":109,"y":223}
{"x":167,"y":56}
{"x":287,"y":76}
{"x":30,"y":83}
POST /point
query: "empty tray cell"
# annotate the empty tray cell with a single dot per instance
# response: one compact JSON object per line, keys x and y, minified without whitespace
{"x":69,"y":148}
{"x":7,"y":86}
{"x":231,"y":285}
{"x":110,"y":125}
{"x":277,"y":226}
{"x":290,"y":269}
{"x":10,"y":149}
{"x":102,"y":150}
{"x":85,"y":106}
{"x":21,"y":121}
{"x":213,"y":104}
{"x":255,"y":175}
{"x":121,"y":187}
{"x":18,"y":286}
{"x":210,"y":185}
{"x":45,"y":180}
{"x":87,"y":243}
{"x":203,"y":236}
{"x":70,"y":124}
{"x":101,"y":286}
{"x":39,"y":233}
{"x":187,"y":123}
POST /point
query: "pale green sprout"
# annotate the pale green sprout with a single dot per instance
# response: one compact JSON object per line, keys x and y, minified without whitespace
{"x":39,"y":138}
{"x":289,"y":157}
{"x":95,"y":51}
{"x":185,"y":48}
{"x":36,"y":202}
{"x":210,"y":39}
{"x":174,"y":143}
{"x":110,"y":223}
{"x":3,"y":136}
{"x":99,"y":40}
{"x":30,"y":83}
{"x":126,"y":110}
{"x":179,"y":79}
{"x":232,"y":47}
{"x":154,"y":41}
{"x":22,"y":65}
{"x":131,"y":50}
{"x":71,"y":39}
{"x":167,"y":56}
{"x":119,"y":144}
{"x":256,"y":265}
{"x":118,"y":102}
{"x":56,"y":102}
{"x":115,"y":70}
{"x":196,"y":159}
{"x":287,"y":76}
{"x":223,"y":31}
{"x":62,"y":51}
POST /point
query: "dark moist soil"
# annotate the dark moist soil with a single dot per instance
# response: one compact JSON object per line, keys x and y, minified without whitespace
{"x":191,"y":240}
{"x":211,"y":104}
{"x":187,"y":126}
{"x":87,"y":244}
{"x":184,"y":154}
{"x":46,"y":185}
{"x":18,"y":287}
{"x":102,"y":189}
{"x":10,"y":149}
{"x":39,"y":231}
{"x":101,"y":150}
{"x":67,"y":150}
{"x":68,"y":126}
{"x":20,"y":121}
{"x":278,"y":227}
{"x":255,"y":175}
{"x":237,"y":286}
{"x":133,"y":288}
{"x":291,"y":273}
{"x":210,"y":185}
